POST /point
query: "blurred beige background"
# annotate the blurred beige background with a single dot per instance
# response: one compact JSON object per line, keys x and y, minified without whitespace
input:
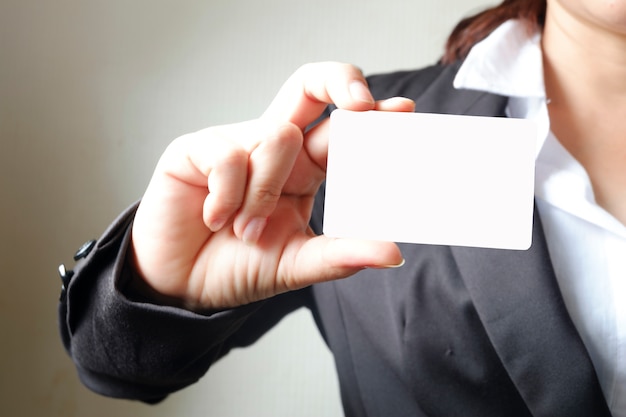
{"x":90,"y":94}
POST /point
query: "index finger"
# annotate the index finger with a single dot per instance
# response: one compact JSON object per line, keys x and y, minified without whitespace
{"x":305,"y":95}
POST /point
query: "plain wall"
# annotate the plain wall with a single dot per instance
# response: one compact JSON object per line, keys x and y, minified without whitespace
{"x":91,"y":92}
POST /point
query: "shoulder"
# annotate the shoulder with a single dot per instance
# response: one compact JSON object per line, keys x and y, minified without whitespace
{"x":432,"y":89}
{"x":411,"y":83}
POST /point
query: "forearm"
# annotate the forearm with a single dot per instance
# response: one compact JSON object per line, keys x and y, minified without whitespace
{"x":123,"y":344}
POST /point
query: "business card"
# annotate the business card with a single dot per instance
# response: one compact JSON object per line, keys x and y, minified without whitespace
{"x":430,"y":179}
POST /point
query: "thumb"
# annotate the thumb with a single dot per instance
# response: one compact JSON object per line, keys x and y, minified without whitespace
{"x":323,"y":259}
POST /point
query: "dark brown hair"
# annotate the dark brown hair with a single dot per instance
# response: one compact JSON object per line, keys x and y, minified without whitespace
{"x":473,"y":29}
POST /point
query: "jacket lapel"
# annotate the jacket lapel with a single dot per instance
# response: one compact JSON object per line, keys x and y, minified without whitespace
{"x":518,"y":301}
{"x":517,"y":297}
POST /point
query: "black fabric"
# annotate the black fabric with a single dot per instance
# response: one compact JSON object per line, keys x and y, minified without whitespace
{"x":455,"y":331}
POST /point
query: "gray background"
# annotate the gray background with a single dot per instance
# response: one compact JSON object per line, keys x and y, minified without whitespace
{"x":91,"y":92}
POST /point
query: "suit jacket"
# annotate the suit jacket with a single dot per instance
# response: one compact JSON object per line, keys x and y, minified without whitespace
{"x":455,"y":332}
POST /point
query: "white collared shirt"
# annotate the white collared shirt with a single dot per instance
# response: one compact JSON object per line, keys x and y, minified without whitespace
{"x":587,"y":244}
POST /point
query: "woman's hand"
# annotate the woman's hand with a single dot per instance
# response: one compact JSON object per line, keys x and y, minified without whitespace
{"x":224,"y":221}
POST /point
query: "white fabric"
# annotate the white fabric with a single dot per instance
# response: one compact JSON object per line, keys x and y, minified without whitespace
{"x":587,"y":244}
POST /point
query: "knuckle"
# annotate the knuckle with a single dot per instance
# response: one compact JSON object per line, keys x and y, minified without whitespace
{"x":232,"y":156}
{"x":229,"y":202}
{"x":287,"y":136}
{"x":266,"y":194}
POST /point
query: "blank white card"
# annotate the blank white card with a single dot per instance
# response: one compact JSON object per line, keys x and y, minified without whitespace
{"x":430,"y":178}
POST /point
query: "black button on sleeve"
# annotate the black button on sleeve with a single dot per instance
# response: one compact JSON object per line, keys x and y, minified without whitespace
{"x":85,"y":249}
{"x":66,"y":275}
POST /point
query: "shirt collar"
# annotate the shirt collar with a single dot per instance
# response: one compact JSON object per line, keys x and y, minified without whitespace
{"x":508,"y":62}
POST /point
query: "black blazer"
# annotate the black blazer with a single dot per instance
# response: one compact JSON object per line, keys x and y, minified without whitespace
{"x":455,"y":332}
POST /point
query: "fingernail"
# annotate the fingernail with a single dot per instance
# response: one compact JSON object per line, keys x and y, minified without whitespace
{"x":401,"y":264}
{"x":388,"y":266}
{"x":217,"y":224}
{"x":360,"y":92}
{"x":254,"y":229}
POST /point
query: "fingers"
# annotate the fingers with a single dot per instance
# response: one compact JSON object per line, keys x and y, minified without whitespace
{"x":269,"y":166}
{"x":226,"y":184}
{"x":305,"y":95}
{"x":398,"y":104}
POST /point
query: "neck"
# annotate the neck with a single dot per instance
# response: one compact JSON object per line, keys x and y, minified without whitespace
{"x":585,"y":80}
{"x":583,"y":58}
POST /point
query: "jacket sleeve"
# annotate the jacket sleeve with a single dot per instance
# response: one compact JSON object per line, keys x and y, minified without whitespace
{"x":130,"y":348}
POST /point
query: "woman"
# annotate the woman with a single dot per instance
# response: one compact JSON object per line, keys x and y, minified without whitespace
{"x":415,"y":329}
